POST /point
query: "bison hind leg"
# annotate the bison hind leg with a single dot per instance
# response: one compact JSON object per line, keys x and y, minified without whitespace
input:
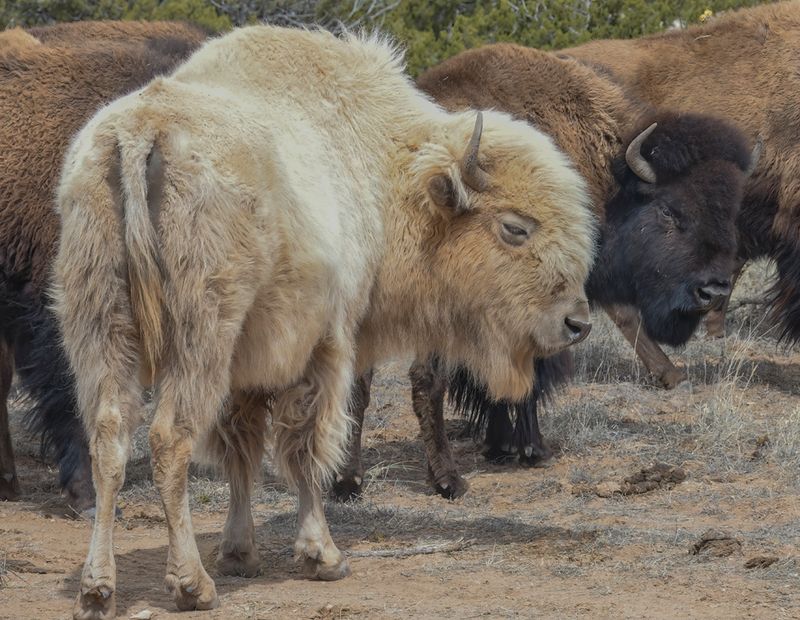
{"x":237,"y":442}
{"x":109,"y":425}
{"x":311,"y":434}
{"x":349,"y":480}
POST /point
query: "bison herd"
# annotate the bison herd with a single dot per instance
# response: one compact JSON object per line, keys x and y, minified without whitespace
{"x":242,"y":227}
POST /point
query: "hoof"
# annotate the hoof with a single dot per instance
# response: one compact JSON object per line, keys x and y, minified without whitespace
{"x":671,"y":378}
{"x":536,"y":455}
{"x":315,"y":569}
{"x":193,"y":594}
{"x":97,"y":603}
{"x":451,"y":486}
{"x":347,"y":487}
{"x":9,"y":487}
{"x":238,"y":562}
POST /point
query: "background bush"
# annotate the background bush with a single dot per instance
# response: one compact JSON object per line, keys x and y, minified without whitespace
{"x":431,"y":30}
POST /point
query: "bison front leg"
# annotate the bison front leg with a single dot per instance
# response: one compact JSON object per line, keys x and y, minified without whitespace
{"x":238,"y":443}
{"x":9,"y":485}
{"x":311,"y":432}
{"x":350,"y":478}
{"x":654,"y":359}
{"x":499,"y":438}
{"x":533,"y":451}
{"x":715,"y":321}
{"x":428,"y":383}
{"x":76,"y":470}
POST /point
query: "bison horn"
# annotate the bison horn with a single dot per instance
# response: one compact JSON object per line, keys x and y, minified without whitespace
{"x":633,"y":156}
{"x":755,"y":156}
{"x":471,"y":172}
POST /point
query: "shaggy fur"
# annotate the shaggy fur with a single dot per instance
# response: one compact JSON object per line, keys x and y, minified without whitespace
{"x":660,"y":242}
{"x":471,"y":399}
{"x":282,"y":210}
{"x":741,"y":66}
{"x":114,"y":32}
{"x":49,"y":86}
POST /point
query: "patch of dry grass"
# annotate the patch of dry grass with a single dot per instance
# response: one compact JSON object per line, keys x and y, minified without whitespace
{"x":717,"y":420}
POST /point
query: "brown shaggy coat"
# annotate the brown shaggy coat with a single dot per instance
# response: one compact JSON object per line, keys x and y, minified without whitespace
{"x":742,"y":66}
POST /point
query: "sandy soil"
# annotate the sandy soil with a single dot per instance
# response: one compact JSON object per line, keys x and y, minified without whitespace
{"x":556,"y":542}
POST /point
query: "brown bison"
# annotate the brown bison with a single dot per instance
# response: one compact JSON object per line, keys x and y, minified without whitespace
{"x":281,"y":211}
{"x":50,"y":85}
{"x":741,"y":66}
{"x":666,"y":188}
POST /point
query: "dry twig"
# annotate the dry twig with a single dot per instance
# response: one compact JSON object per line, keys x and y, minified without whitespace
{"x":456,"y":545}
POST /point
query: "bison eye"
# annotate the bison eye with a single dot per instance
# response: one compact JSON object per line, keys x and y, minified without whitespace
{"x":514,"y":229}
{"x":666,"y":213}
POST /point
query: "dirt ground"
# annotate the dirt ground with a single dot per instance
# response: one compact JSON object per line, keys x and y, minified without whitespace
{"x":712,"y":532}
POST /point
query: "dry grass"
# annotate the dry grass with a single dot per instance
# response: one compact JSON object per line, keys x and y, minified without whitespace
{"x":716,"y":415}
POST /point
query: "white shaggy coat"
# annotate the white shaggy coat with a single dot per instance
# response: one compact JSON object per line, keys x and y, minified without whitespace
{"x":261,"y":221}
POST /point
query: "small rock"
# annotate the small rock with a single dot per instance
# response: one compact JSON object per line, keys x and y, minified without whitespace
{"x":717,"y":544}
{"x":145,"y":614}
{"x":761,"y":561}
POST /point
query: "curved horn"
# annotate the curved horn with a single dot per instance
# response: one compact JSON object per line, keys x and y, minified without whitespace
{"x":755,"y":155}
{"x":471,"y":172}
{"x":633,"y":156}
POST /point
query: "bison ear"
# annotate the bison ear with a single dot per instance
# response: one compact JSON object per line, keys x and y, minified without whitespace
{"x":445,"y":195}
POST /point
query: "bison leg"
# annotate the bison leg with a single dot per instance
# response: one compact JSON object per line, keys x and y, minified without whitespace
{"x":238,"y":443}
{"x":9,"y":485}
{"x":111,"y":405}
{"x":654,"y":359}
{"x":499,"y":434}
{"x":532,"y":449}
{"x":311,"y":433}
{"x":76,"y":471}
{"x":715,"y":321}
{"x":428,"y":384}
{"x":109,"y":425}
{"x":314,"y":545}
{"x":184,"y":411}
{"x":350,"y":478}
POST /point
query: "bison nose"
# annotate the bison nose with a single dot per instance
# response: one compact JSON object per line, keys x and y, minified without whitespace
{"x":578,"y":330}
{"x":712,"y":293}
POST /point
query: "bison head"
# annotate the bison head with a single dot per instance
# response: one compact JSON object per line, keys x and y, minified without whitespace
{"x":669,"y":243}
{"x":510,"y":245}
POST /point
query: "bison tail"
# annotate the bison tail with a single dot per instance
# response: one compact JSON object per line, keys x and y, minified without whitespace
{"x":140,"y":171}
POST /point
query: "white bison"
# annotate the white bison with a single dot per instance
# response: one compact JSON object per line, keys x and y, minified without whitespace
{"x":285,"y":210}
